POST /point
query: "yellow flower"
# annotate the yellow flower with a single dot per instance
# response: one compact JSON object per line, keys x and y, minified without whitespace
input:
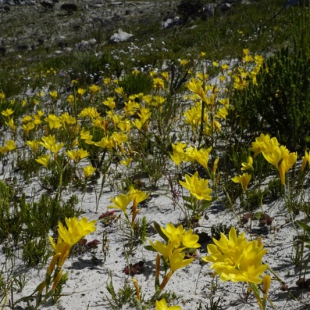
{"x":81,"y":91}
{"x":53,"y":121}
{"x":10,"y":144}
{"x":165,"y":75}
{"x":243,"y":179}
{"x":53,"y":94}
{"x":274,"y":156}
{"x":158,"y":83}
{"x":162,"y":305}
{"x":189,"y":240}
{"x":248,"y":58}
{"x":174,"y":234}
{"x":198,"y":188}
{"x":88,"y":171}
{"x":195,"y":86}
{"x":221,"y":113}
{"x":27,"y":118}
{"x":120,"y":202}
{"x":67,"y":237}
{"x":36,"y":101}
{"x":178,"y":237}
{"x":60,"y":247}
{"x":264,"y":143}
{"x":70,"y":99}
{"x":248,"y":165}
{"x":7,"y":112}
{"x":126,"y":162}
{"x":184,"y":62}
{"x":135,"y":72}
{"x":119,"y":90}
{"x":177,"y":261}
{"x":259,"y":60}
{"x":107,"y":81}
{"x":85,"y":135}
{"x":202,"y":156}
{"x":91,"y":112}
{"x":94,"y":89}
{"x":163,"y":249}
{"x":77,"y":155}
{"x":109,"y":102}
{"x":49,"y":142}
{"x":305,"y":160}
{"x":137,"y":195}
{"x":193,"y":115}
{"x":43,"y":160}
{"x":236,"y":259}
{"x":34,"y":145}
{"x":11,"y":124}
{"x":76,"y":229}
{"x":66,"y":118}
{"x":286,"y":164}
{"x":2,"y":95}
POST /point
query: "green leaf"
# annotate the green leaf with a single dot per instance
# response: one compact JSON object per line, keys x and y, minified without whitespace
{"x":149,"y":248}
{"x":304,"y":226}
{"x":160,"y":232}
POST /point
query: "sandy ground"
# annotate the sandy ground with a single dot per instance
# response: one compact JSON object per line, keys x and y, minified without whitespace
{"x":86,"y":287}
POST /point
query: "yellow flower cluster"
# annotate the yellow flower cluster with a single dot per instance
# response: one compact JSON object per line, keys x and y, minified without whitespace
{"x":243,"y":75}
{"x":182,"y":154}
{"x":67,"y":237}
{"x":197,"y":187}
{"x":173,"y":250}
{"x":277,"y":155}
{"x":209,"y":107}
{"x":237,"y":259}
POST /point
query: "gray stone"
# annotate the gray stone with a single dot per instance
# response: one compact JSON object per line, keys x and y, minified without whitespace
{"x":120,"y":36}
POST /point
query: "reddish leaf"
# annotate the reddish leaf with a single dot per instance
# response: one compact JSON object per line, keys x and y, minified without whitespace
{"x":134,"y":269}
{"x":93,"y":244}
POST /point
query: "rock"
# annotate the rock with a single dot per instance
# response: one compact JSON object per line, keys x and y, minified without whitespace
{"x":208,"y":10}
{"x":224,"y":7}
{"x":120,"y":36}
{"x":85,"y":45}
{"x":171,"y":22}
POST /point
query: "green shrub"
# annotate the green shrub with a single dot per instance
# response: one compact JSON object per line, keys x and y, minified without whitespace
{"x":190,"y":8}
{"x":135,"y":83}
{"x":280,"y":102}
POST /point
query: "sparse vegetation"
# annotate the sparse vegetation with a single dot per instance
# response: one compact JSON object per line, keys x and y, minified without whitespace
{"x":211,"y":112}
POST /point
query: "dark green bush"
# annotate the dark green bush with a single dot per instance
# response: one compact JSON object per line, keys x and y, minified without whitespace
{"x":135,"y":83}
{"x":280,"y":103}
{"x":190,"y":8}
